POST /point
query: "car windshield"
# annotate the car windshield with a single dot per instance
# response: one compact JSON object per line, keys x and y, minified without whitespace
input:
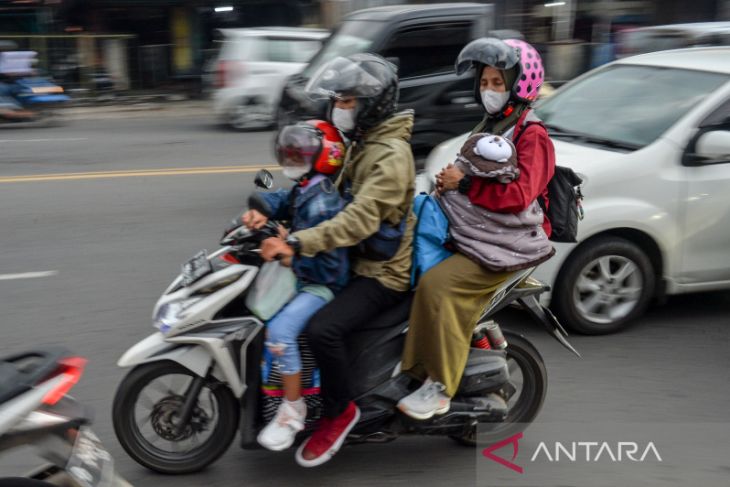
{"x":352,"y":37}
{"x":626,"y":106}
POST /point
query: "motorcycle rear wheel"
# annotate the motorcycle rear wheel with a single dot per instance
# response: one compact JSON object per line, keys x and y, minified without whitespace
{"x":531,"y":397}
{"x":128,"y":429}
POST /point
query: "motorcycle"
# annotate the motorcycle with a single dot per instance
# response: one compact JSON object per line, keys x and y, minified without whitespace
{"x":36,"y":98}
{"x":36,"y":410}
{"x":204,"y":373}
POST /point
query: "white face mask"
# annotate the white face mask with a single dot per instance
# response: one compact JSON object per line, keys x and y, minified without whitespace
{"x":294,"y":173}
{"x":494,"y":101}
{"x":343,"y":119}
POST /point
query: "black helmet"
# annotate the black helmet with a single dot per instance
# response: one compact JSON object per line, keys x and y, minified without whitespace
{"x":487,"y":51}
{"x":368,"y":77}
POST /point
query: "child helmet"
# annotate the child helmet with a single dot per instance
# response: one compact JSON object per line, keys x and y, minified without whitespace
{"x":314,"y":146}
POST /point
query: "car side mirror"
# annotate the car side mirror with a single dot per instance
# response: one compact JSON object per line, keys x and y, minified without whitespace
{"x":712,"y":147}
{"x":264,"y":179}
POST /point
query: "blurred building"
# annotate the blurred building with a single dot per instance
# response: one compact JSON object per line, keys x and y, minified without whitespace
{"x":173,"y":38}
{"x":571,"y":16}
{"x":154,"y":43}
{"x":25,"y":16}
{"x":140,"y":43}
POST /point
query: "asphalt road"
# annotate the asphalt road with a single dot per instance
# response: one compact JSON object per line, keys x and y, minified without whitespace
{"x":115,"y":240}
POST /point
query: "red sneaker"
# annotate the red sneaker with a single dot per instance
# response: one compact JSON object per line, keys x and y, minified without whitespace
{"x":326,"y":441}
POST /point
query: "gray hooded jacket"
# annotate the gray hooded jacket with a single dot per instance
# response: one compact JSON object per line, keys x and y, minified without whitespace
{"x":500,"y":242}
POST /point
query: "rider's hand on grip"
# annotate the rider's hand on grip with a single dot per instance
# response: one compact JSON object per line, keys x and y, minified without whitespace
{"x":274,"y":248}
{"x":254,"y":219}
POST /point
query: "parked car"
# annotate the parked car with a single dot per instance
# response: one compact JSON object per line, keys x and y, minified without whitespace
{"x":675,"y":36}
{"x":252,"y":67}
{"x":650,"y":136}
{"x":424,"y":41}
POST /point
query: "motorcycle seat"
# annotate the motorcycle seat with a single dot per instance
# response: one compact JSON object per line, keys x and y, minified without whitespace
{"x":19,"y":372}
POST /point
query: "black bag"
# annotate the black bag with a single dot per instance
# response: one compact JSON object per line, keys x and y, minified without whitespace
{"x":384,"y":244}
{"x":564,"y":195}
{"x":565,"y":209}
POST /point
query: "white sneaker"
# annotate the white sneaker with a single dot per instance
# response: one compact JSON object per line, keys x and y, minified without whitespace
{"x":280,"y":433}
{"x":428,"y":400}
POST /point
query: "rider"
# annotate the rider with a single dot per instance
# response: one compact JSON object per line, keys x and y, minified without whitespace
{"x":9,"y":107}
{"x":310,"y":153}
{"x":451,"y":296}
{"x":379,"y":177}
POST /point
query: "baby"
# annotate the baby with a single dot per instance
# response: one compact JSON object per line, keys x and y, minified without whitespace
{"x":489,"y":156}
{"x":497,"y":241}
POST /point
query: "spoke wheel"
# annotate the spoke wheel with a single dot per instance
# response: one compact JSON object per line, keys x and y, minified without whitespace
{"x":147,"y":421}
{"x":604,"y":285}
{"x":249,"y":115}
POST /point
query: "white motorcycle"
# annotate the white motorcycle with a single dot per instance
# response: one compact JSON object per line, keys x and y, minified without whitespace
{"x":202,"y":375}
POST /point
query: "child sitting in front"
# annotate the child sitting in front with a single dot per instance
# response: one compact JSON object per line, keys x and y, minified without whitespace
{"x":310,"y":153}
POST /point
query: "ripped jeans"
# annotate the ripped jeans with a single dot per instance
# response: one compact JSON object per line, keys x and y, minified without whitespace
{"x":284,"y":328}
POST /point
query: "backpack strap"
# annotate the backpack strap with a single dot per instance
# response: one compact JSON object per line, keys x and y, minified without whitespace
{"x":526,"y":119}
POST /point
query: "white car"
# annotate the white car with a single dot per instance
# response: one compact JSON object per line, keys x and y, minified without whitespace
{"x":253,"y":66}
{"x":650,"y":136}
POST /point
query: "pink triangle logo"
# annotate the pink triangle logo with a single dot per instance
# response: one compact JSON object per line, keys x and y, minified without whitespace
{"x":514,"y":440}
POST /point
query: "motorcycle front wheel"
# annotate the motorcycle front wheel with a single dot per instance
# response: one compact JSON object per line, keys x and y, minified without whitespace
{"x":528,"y":377}
{"x":145,"y":416}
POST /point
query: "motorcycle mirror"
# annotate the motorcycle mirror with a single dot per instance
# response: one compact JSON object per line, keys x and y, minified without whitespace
{"x":264,"y":179}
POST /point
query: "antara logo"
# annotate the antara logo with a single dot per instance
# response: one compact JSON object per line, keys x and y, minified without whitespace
{"x":576,"y":451}
{"x":515,"y":441}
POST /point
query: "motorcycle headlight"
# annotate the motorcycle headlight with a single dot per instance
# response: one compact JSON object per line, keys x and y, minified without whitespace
{"x":168,"y":315}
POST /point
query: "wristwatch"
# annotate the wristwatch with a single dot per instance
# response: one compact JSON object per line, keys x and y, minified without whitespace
{"x":464,"y":184}
{"x":294,"y":243}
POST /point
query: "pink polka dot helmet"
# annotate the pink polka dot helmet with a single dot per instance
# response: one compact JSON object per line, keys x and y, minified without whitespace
{"x":506,"y":54}
{"x":532,"y":73}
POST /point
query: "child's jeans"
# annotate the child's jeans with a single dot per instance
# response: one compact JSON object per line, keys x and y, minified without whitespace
{"x":284,"y":328}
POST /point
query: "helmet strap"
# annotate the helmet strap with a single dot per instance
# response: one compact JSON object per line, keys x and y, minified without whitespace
{"x":304,"y":180}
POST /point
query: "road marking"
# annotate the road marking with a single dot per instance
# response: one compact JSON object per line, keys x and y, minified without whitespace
{"x":5,"y":141}
{"x":178,"y":171}
{"x":27,"y":275}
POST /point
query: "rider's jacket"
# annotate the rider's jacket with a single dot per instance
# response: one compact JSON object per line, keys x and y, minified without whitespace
{"x":307,"y":206}
{"x":380,"y":174}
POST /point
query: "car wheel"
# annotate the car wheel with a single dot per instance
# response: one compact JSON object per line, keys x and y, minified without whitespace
{"x":249,"y":115}
{"x":604,"y":285}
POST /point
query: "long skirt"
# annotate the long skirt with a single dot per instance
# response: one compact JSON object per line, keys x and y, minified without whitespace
{"x":449,"y":300}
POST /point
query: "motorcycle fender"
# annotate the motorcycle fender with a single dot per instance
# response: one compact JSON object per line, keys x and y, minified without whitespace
{"x":154,"y":348}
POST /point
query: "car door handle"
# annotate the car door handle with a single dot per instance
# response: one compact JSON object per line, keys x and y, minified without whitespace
{"x":463,"y":100}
